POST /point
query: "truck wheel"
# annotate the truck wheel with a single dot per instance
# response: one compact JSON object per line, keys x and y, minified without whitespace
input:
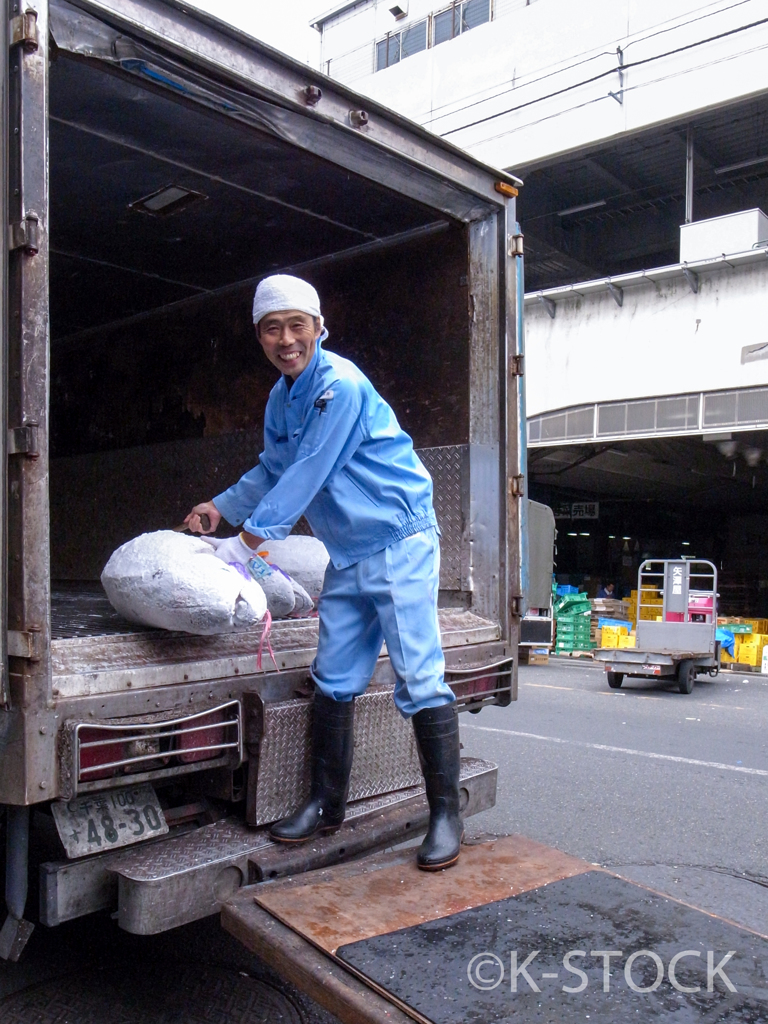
{"x":615,"y":679}
{"x":686,"y":676}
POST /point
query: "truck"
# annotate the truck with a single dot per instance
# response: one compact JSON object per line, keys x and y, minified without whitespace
{"x":157,"y":163}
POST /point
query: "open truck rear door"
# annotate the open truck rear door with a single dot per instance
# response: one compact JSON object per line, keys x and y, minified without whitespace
{"x":160,"y":163}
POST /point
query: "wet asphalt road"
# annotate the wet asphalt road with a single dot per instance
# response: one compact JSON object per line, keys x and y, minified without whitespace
{"x":667,"y":790}
{"x":578,"y":770}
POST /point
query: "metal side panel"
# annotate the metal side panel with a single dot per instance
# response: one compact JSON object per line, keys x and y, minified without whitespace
{"x":385,"y":754}
{"x":179,"y":880}
{"x":449,"y":469}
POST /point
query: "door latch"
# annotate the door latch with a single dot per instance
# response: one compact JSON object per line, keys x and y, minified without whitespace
{"x":23,"y":441}
{"x":24,"y":644}
{"x":24,"y":30}
{"x":515,"y":245}
{"x":24,"y":235}
{"x":517,"y":486}
{"x":516,"y":365}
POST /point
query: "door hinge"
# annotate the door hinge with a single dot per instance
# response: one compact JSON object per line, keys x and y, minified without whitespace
{"x":516,"y":605}
{"x":517,"y":486}
{"x":23,"y":441}
{"x":516,"y":366}
{"x":24,"y":644}
{"x":24,"y":30}
{"x":515,"y":245}
{"x":24,"y":235}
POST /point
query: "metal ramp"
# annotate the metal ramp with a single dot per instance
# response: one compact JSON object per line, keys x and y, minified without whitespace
{"x":515,"y":932}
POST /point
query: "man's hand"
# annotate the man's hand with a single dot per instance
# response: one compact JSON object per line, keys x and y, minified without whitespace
{"x":204,"y":508}
{"x":230,"y":549}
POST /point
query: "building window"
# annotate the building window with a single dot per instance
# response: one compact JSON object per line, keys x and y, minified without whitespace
{"x":460,"y":17}
{"x":398,"y":45}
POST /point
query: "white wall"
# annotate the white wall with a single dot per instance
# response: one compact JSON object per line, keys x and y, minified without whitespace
{"x":519,"y":59}
{"x":664,"y":340}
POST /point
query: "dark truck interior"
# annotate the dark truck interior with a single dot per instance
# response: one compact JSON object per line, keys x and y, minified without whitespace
{"x":165,"y":211}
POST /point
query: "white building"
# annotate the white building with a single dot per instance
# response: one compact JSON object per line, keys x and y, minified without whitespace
{"x":646,"y":363}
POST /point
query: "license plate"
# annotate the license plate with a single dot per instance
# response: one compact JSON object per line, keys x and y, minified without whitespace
{"x":105,"y":821}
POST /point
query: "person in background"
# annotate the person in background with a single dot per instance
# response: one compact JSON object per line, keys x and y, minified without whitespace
{"x":607,"y":590}
{"x":334,"y":451}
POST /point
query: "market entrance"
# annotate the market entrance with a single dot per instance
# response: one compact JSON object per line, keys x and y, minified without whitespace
{"x":624,"y":501}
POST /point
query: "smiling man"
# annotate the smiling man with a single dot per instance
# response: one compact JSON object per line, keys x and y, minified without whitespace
{"x":334,"y":451}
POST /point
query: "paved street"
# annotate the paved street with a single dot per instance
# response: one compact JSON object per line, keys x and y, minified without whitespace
{"x":665,"y":789}
{"x":668,"y":790}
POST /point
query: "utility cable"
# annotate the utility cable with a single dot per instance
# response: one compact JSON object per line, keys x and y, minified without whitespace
{"x":576,"y":64}
{"x":605,"y":74}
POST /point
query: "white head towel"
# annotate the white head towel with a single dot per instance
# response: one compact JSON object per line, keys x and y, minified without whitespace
{"x":283,"y":291}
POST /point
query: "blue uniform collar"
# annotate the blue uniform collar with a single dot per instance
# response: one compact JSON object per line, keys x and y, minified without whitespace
{"x":303,"y":382}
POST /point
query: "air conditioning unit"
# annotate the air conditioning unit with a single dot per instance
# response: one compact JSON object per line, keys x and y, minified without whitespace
{"x":717,"y":236}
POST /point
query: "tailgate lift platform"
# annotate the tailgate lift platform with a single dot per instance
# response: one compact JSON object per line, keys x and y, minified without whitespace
{"x":378,"y":940}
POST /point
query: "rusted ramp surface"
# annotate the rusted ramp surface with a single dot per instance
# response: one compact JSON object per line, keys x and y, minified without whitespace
{"x":516,"y":933}
{"x":296,"y":924}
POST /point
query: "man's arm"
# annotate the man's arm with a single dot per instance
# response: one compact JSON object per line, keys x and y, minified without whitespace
{"x":330,"y":437}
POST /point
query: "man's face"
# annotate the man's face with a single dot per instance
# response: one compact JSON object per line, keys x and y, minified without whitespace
{"x":289,"y":339}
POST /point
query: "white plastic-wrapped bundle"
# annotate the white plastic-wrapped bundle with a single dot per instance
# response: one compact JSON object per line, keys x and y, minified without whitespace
{"x":174,"y":581}
{"x":304,"y":558}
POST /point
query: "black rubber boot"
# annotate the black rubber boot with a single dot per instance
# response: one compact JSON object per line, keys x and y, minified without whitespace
{"x":437,"y":738}
{"x":331,"y":763}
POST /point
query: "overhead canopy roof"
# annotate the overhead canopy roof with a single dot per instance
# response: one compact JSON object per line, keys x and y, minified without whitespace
{"x":686,"y":470}
{"x":618,"y":208}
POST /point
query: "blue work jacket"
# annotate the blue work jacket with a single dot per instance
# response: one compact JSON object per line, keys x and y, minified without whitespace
{"x":333,"y":451}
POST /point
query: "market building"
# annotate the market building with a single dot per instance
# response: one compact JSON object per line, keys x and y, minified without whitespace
{"x":641,"y":133}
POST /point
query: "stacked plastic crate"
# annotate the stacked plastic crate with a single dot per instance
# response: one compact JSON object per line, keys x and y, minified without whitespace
{"x":573,"y":622}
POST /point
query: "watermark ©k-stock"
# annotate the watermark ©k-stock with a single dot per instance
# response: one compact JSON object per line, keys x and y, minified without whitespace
{"x":486,"y":971}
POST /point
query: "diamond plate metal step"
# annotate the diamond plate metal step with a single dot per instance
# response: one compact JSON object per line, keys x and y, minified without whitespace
{"x":385,"y":754}
{"x":191,"y":876}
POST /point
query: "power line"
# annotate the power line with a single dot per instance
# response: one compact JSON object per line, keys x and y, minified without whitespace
{"x":579,"y":63}
{"x":605,"y":74}
{"x":632,"y":88}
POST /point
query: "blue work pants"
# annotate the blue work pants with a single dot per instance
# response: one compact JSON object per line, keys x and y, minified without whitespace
{"x":390,"y":596}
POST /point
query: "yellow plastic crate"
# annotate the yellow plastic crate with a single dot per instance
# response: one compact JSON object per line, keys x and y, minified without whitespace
{"x":750,"y":654}
{"x":725,"y":658}
{"x":627,"y":641}
{"x":610,"y":635}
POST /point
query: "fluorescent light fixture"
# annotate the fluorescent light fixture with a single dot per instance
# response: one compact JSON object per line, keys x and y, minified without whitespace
{"x":583,"y":534}
{"x":744,"y":163}
{"x":573,"y":535}
{"x":626,"y":538}
{"x":686,"y":543}
{"x":611,"y":536}
{"x":583,"y":207}
{"x":166,"y":200}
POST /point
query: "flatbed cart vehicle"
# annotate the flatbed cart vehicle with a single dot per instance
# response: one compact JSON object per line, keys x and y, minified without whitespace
{"x":679,"y":643}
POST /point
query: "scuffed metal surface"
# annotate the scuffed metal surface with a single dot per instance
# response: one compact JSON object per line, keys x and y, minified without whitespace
{"x":227,"y":840}
{"x":385,"y":754}
{"x":348,"y":908}
{"x":89,"y":665}
{"x":449,"y":470}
